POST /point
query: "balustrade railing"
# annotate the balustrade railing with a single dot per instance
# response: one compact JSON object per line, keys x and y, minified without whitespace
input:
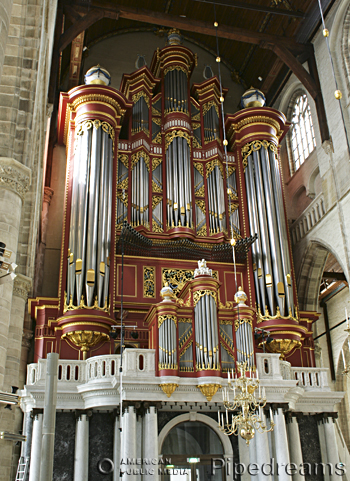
{"x":308,"y":219}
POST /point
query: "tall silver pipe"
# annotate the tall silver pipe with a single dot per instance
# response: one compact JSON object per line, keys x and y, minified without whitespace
{"x":189,"y":184}
{"x":109,"y":220}
{"x":84,"y":171}
{"x":253,"y":230}
{"x":186,"y":184}
{"x":168,"y":185}
{"x":196,"y":330}
{"x":102,"y":219}
{"x":273,"y":231}
{"x":93,"y":215}
{"x":213,"y":325}
{"x":176,"y":181}
{"x":264,"y":233}
{"x":208,"y":322}
{"x":142,"y":190}
{"x":282,"y":230}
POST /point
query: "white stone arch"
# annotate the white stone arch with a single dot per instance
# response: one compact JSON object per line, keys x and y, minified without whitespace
{"x":343,"y":384}
{"x":310,"y":273}
{"x":226,"y":444}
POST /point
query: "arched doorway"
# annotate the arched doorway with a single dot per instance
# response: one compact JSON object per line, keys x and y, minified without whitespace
{"x":193,"y":446}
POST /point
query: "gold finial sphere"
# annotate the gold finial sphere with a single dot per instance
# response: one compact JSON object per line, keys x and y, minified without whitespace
{"x":338,"y":95}
{"x":233,"y":242}
{"x":325,"y":32}
{"x":225,"y":142}
{"x":216,"y":24}
{"x":218,"y":59}
{"x":221,"y":99}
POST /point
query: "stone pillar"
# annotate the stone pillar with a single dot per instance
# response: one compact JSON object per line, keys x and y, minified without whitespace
{"x":263,"y":452}
{"x":5,"y":15}
{"x":116,"y":449}
{"x":252,"y":456}
{"x":14,"y":182}
{"x":243,"y":457}
{"x":281,"y":444}
{"x":35,"y":455}
{"x":129,"y":441}
{"x":295,"y":452}
{"x":40,"y":255}
{"x":150,"y":441}
{"x":330,"y":449}
{"x":81,"y":456}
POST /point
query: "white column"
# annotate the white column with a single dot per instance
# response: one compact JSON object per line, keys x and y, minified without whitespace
{"x":150,"y":442}
{"x":116,"y":449}
{"x":331,"y":446}
{"x":323,"y":446}
{"x":81,"y":456}
{"x":139,"y":445}
{"x":35,"y":453}
{"x":295,"y":452}
{"x":281,"y":443}
{"x":252,"y":458}
{"x":243,"y":457}
{"x":263,"y":453}
{"x":129,"y":442}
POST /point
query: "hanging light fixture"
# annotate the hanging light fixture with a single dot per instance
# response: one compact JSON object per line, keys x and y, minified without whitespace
{"x":250,"y":417}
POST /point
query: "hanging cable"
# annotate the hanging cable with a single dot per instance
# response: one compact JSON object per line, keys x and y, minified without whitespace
{"x":225,"y":143}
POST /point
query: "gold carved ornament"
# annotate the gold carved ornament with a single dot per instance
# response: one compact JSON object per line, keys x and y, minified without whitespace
{"x":124,"y":159}
{"x":156,"y":161}
{"x":85,"y":340}
{"x":158,"y":138}
{"x":202,"y":232}
{"x":177,"y":278}
{"x":136,"y":157}
{"x":197,"y":295}
{"x":149,"y":281}
{"x":200,"y":192}
{"x":283,"y":346}
{"x":89,"y":124}
{"x":268,"y":317}
{"x":254,"y":147}
{"x":155,"y":111}
{"x":240,"y":322}
{"x":156,"y":121}
{"x":200,"y":167}
{"x":161,"y":319}
{"x":156,"y":188}
{"x":209,"y":390}
{"x":96,"y":98}
{"x":157,"y":228}
{"x":170,"y":136}
{"x":209,"y":105}
{"x":156,"y":200}
{"x":195,"y":142}
{"x":176,"y":67}
{"x":124,"y":184}
{"x":136,"y":97}
{"x":210,"y":166}
{"x":169,"y":388}
{"x":201,"y":204}
{"x":71,"y":307}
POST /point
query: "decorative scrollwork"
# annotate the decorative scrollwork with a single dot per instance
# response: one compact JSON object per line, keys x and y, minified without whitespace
{"x":202,"y":232}
{"x":195,"y":142}
{"x":176,"y":67}
{"x":156,"y":161}
{"x":124,"y":159}
{"x":254,"y":147}
{"x":200,"y":192}
{"x":88,"y":124}
{"x":197,"y":295}
{"x":209,"y":105}
{"x":176,"y":278}
{"x":210,"y":166}
{"x":136,"y":97}
{"x":136,"y":157}
{"x":157,"y":228}
{"x":240,"y":322}
{"x":156,"y":121}
{"x":201,"y":205}
{"x":149,"y":282}
{"x":199,"y":166}
{"x":156,"y":200}
{"x":161,"y":319}
{"x":169,"y":137}
{"x":158,"y":138}
{"x":156,"y":188}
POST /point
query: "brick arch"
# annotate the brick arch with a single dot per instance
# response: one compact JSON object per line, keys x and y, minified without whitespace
{"x":310,"y":275}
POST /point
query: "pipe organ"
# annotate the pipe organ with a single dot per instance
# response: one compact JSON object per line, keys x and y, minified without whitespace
{"x":152,"y":201}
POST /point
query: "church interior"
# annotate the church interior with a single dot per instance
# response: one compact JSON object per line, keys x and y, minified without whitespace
{"x":174,"y":240}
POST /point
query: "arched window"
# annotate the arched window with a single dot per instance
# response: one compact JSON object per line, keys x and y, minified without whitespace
{"x":302,"y":132}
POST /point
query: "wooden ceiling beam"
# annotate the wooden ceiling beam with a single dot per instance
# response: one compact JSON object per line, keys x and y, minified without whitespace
{"x":255,"y":7}
{"x":84,"y":22}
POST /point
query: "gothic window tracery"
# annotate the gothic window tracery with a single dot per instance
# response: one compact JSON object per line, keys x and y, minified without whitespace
{"x":302,"y":135}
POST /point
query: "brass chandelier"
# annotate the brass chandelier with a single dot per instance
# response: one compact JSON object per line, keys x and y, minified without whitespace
{"x":250,"y":418}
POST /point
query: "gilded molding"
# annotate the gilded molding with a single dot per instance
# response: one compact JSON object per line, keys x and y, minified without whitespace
{"x":136,"y":97}
{"x":136,"y":157}
{"x":161,"y":319}
{"x":169,"y":137}
{"x":149,"y":282}
{"x":156,"y":161}
{"x":84,"y":99}
{"x":176,"y":278}
{"x":254,"y":147}
{"x":240,"y":322}
{"x":210,"y":166}
{"x":197,"y":295}
{"x":124,"y":159}
{"x":199,"y":166}
{"x":14,"y":176}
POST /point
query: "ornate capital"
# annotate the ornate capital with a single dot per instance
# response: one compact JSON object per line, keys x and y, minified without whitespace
{"x":328,"y":146}
{"x":48,"y":193}
{"x":14,"y":176}
{"x":21,"y":286}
